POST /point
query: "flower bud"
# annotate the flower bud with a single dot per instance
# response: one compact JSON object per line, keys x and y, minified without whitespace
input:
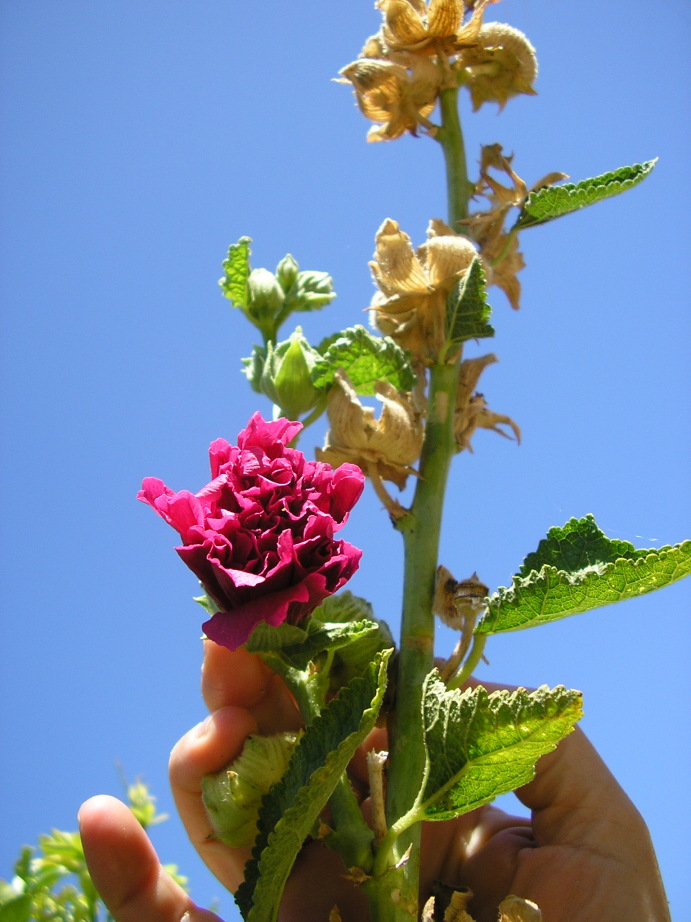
{"x":233,"y":796}
{"x":286,"y":377}
{"x":266,"y":299}
{"x":287,"y":272}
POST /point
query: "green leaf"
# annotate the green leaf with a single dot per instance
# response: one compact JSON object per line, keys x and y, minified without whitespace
{"x":297,"y":646}
{"x":236,"y":272}
{"x":467,"y":310}
{"x":366,"y":359}
{"x":17,"y":909}
{"x":254,"y":367}
{"x":576,"y":568}
{"x":310,"y":291}
{"x":553,"y":201}
{"x":292,"y":805}
{"x":479,"y":745}
{"x":344,"y":607}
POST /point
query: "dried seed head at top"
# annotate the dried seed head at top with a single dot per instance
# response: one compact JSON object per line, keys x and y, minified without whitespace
{"x":428,"y":28}
{"x":501,"y":64}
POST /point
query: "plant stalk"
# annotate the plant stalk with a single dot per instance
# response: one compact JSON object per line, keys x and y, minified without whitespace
{"x":421,"y":529}
{"x":450,"y":136}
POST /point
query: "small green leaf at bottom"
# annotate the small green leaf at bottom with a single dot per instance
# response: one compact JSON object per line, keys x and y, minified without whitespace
{"x":479,"y":745}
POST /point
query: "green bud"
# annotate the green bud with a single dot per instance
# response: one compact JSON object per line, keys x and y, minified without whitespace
{"x":287,"y":272}
{"x":286,"y":376}
{"x":233,"y":796}
{"x":265,"y":301}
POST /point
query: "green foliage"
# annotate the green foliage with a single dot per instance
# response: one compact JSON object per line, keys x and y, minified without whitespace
{"x":467,"y":310}
{"x":298,"y":646}
{"x":365,"y":358}
{"x":309,"y":291}
{"x":344,"y":607}
{"x":553,"y":201}
{"x":479,"y":745}
{"x":267,"y":299}
{"x":576,"y":568}
{"x":292,"y":806}
{"x":236,"y":272}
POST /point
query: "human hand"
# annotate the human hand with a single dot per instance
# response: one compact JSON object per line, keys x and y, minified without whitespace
{"x":584,"y":855}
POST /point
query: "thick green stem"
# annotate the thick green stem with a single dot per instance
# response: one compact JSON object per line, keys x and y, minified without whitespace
{"x":450,"y":136}
{"x":421,"y":531}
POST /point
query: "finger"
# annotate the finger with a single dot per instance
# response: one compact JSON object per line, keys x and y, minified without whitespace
{"x":575,"y":799}
{"x":489,"y":853}
{"x":232,"y":677}
{"x":125,"y":868}
{"x":207,"y":748}
{"x":571,"y":789}
{"x":241,"y":679}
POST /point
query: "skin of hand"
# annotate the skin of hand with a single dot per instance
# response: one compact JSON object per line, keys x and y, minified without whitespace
{"x":584,"y":855}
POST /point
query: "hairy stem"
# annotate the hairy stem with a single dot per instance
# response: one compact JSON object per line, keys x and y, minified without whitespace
{"x":421,"y":529}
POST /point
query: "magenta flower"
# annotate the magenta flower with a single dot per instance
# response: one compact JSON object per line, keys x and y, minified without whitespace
{"x":260,"y":536}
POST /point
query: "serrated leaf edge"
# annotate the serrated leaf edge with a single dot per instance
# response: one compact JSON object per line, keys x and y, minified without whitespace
{"x":580,"y":578}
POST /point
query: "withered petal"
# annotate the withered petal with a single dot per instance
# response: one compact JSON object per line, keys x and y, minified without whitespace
{"x":403,"y":24}
{"x":396,"y":267}
{"x":445,"y":17}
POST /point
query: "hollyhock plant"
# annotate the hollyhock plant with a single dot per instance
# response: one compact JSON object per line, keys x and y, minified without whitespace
{"x":260,"y":535}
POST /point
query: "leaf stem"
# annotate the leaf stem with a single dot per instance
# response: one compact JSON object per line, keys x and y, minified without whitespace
{"x":468,"y":667}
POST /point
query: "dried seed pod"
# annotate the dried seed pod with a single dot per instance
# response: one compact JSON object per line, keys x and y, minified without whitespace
{"x":500,"y":65}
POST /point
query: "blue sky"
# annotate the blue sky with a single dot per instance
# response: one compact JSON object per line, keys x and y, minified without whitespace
{"x":141,"y":138}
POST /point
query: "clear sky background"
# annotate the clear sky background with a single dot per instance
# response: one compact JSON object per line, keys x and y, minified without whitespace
{"x":141,"y":137}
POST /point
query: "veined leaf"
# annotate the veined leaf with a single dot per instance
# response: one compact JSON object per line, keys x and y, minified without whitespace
{"x":310,"y":292}
{"x":344,"y":607}
{"x":576,"y":568}
{"x":365,"y":358}
{"x":467,"y":310}
{"x":236,"y":272}
{"x":479,"y":745}
{"x":291,"y":806}
{"x":297,"y":646}
{"x":551,"y":202}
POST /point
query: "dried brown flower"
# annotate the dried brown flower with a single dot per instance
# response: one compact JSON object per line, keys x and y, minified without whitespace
{"x":413,"y":284}
{"x":472,"y":411}
{"x":398,"y":97}
{"x":429,"y":28}
{"x":498,"y":247}
{"x":385,"y":448}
